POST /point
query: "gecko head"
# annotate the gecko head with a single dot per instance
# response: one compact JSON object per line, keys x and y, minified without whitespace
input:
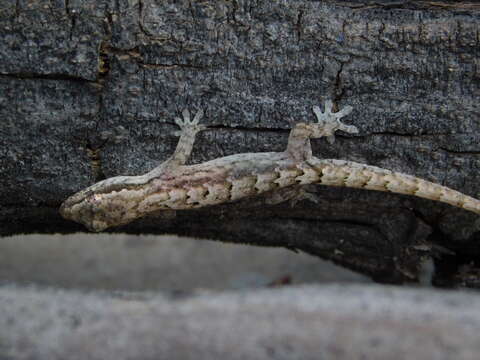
{"x":83,"y":208}
{"x":98,"y":210}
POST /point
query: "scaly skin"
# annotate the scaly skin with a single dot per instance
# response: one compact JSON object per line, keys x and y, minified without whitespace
{"x":173,"y":185}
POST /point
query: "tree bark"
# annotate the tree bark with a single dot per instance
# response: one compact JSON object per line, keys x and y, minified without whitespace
{"x":108,"y":77}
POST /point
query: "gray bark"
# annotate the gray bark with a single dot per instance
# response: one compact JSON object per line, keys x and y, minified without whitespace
{"x":111,"y":75}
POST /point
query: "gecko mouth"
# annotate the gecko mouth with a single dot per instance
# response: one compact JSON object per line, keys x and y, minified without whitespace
{"x":66,"y":208}
{"x":86,"y":216}
{"x":77,"y":208}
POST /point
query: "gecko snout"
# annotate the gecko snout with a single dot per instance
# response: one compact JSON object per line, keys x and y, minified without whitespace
{"x":82,"y":209}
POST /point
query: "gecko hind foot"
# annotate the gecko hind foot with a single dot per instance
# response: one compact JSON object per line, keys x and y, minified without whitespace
{"x":187,"y":124}
{"x":330,"y":121}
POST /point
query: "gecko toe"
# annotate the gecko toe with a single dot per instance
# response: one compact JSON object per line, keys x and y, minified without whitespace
{"x":198,"y":117}
{"x":348,"y":128}
{"x":344,"y":112}
{"x":186,"y":115}
{"x":179,"y":121}
{"x":328,"y":107}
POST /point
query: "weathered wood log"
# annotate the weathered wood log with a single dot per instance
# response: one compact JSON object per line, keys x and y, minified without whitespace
{"x":91,"y":88}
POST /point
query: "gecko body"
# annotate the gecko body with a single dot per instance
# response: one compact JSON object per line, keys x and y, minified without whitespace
{"x":176,"y":186}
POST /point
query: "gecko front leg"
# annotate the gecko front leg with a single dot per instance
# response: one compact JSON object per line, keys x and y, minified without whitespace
{"x":188,"y":130}
{"x":299,"y":147}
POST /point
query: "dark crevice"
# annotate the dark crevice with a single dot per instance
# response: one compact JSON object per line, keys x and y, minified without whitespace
{"x":67,"y":7}
{"x":338,"y":221}
{"x":132,"y":52}
{"x":459,"y":152}
{"x":73,"y":20}
{"x":73,"y":23}
{"x":298,"y":24}
{"x":173,"y":65}
{"x":386,"y":4}
{"x":447,"y":263}
{"x":338,"y":90}
{"x":104,"y":49}
{"x":450,"y":263}
{"x":94,"y":156}
{"x":104,"y":66}
{"x":234,"y":11}
{"x":393,"y":133}
{"x":17,"y":8}
{"x":460,"y":7}
{"x":29,"y":75}
{"x":259,"y":130}
{"x":248,"y":129}
{"x":141,"y":26}
{"x":192,"y":12}
{"x":108,"y":25}
{"x":410,"y":135}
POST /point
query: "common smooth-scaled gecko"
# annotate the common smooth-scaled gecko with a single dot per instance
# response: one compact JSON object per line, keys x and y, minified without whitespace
{"x":175,"y":186}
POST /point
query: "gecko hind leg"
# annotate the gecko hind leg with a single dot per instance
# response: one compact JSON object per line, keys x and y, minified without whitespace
{"x":299,"y":147}
{"x":329,"y":122}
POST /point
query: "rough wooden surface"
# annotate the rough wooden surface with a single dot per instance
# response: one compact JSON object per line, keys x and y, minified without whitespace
{"x":111,"y":75}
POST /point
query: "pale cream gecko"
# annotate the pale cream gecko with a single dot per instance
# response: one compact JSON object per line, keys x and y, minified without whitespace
{"x":174,"y":185}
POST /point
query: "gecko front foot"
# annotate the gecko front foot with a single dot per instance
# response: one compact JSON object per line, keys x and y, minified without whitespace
{"x":188,"y":125}
{"x":330,"y":121}
{"x":188,"y":130}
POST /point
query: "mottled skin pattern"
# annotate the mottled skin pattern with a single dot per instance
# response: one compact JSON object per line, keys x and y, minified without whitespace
{"x":173,"y":185}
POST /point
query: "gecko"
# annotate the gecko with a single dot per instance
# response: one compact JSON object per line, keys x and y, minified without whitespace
{"x":173,"y":185}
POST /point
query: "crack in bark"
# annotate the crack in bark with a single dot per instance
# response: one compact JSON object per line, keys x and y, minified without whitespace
{"x":53,"y":76}
{"x":67,"y":7}
{"x":338,"y":91}
{"x":298,"y":25}
{"x":17,"y":8}
{"x":94,"y":155}
{"x":393,"y":133}
{"x":103,"y":60}
{"x":134,"y":54}
{"x":248,"y":129}
{"x":412,"y":5}
{"x":170,"y":66}
{"x":459,"y":152}
{"x":141,"y":25}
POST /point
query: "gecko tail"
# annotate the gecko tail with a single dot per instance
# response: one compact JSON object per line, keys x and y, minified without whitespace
{"x":356,"y":175}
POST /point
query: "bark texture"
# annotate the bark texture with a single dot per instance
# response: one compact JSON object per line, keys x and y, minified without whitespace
{"x":107,"y":77}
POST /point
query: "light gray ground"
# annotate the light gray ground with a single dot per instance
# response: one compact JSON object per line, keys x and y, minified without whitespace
{"x":308,"y":322}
